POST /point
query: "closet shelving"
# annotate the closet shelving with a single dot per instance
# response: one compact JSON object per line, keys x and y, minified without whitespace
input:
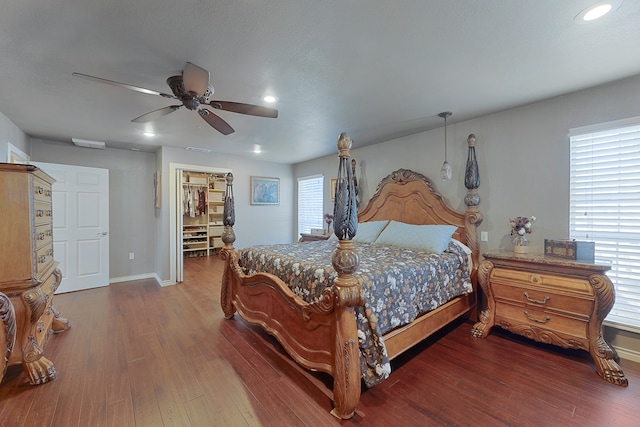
{"x":202,"y":214}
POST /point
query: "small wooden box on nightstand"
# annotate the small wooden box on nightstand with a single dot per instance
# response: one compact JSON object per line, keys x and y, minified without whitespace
{"x":307,"y":237}
{"x":551,"y":300}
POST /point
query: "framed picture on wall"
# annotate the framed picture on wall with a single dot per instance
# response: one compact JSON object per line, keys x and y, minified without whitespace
{"x":332,"y":188}
{"x":265,"y":191}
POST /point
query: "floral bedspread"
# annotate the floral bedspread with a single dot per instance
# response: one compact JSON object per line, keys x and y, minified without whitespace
{"x":398,"y":285}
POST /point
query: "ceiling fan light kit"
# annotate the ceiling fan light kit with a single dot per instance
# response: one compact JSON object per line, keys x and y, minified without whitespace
{"x":193,"y":89}
{"x":88,"y":143}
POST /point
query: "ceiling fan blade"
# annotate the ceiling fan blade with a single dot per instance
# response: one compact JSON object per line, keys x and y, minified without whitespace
{"x":124,"y":85}
{"x":196,"y":79}
{"x":238,"y":107}
{"x":156,"y":114}
{"x":216,"y":122}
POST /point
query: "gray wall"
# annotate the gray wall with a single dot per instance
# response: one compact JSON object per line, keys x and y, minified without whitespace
{"x":10,"y":133}
{"x":523,"y":155}
{"x":255,"y":224}
{"x":132,"y":221}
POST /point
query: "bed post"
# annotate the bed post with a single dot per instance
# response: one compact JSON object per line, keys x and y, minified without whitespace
{"x":228,"y":253}
{"x":346,"y":289}
{"x":472,"y":216}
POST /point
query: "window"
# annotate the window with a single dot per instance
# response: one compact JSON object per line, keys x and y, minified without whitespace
{"x":605,"y":207}
{"x":310,"y":203}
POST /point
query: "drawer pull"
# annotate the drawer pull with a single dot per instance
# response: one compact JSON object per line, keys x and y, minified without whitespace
{"x":39,"y":190}
{"x":537,"y":301}
{"x":533,"y":319}
{"x":40,"y":213}
{"x":42,"y":259}
{"x":41,"y":236}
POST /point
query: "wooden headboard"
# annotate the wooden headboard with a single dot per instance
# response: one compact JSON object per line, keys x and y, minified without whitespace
{"x":410,"y":197}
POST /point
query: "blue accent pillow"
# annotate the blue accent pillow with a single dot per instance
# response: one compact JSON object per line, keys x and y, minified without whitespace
{"x":368,"y":232}
{"x":427,"y":238}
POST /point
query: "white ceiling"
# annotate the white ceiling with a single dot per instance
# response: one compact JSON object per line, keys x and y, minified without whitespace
{"x":377,"y":69}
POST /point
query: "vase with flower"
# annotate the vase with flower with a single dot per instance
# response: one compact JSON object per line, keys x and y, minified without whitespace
{"x":520,"y":227}
{"x":328,"y":218}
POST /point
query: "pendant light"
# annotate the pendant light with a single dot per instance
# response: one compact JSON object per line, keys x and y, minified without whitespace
{"x":445,"y":170}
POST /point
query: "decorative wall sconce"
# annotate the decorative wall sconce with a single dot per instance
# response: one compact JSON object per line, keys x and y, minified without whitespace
{"x":445,"y":170}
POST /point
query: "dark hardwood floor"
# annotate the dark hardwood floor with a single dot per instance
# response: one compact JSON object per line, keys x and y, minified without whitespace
{"x":141,"y":355}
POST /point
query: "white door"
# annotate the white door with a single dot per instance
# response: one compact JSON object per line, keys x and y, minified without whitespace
{"x":80,"y":225}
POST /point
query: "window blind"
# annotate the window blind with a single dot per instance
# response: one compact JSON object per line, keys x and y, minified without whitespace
{"x":310,"y":203}
{"x":605,"y":208}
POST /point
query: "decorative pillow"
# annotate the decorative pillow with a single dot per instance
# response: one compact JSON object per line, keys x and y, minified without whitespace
{"x":427,"y":238}
{"x":368,"y":232}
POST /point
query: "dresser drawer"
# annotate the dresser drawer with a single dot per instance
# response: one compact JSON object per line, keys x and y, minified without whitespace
{"x":558,"y":283}
{"x":44,"y":235}
{"x":544,"y":297}
{"x":43,"y":213}
{"x":575,"y":326}
{"x":41,"y":190}
{"x":44,"y":258}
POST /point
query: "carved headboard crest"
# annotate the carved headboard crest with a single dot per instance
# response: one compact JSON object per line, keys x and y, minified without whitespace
{"x":402,"y":176}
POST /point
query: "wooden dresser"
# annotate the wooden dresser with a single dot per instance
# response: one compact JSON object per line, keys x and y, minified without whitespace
{"x":550,"y":300}
{"x":29,"y":274}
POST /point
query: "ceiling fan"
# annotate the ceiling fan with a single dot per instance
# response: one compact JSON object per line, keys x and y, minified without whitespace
{"x":192,"y":88}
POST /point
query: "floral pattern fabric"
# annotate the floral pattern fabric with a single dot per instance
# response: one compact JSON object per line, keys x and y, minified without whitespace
{"x":398,"y":285}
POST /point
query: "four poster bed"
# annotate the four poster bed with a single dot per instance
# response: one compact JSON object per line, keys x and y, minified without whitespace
{"x":330,"y":307}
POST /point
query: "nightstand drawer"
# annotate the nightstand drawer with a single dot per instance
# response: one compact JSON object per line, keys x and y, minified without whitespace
{"x":555,"y":282}
{"x":551,"y":321}
{"x":543,"y":298}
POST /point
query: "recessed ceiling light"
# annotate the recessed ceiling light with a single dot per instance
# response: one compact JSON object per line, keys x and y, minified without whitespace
{"x":149,"y":134}
{"x":270,"y":99}
{"x":257,"y":149}
{"x":135,"y":149}
{"x":597,"y":10}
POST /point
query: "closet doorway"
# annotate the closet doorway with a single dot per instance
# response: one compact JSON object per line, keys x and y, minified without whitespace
{"x":196,"y":205}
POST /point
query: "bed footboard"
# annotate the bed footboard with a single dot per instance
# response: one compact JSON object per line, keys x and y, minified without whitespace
{"x":321,"y":336}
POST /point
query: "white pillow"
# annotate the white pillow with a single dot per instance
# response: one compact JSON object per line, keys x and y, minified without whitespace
{"x":467,"y":250}
{"x":427,"y":238}
{"x":368,"y":232}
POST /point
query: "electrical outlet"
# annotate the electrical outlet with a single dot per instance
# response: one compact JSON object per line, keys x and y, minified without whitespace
{"x":484,"y":236}
{"x":131,"y":256}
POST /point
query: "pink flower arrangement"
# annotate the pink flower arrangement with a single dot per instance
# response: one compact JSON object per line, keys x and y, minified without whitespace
{"x":521,"y":225}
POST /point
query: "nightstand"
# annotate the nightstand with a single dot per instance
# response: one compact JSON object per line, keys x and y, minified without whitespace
{"x":550,"y":300}
{"x":305,"y":237}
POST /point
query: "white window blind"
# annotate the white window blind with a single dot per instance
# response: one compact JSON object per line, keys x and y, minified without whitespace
{"x":605,"y":208}
{"x":310,"y":203}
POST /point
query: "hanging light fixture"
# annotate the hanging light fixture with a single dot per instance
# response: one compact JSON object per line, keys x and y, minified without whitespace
{"x":445,"y":170}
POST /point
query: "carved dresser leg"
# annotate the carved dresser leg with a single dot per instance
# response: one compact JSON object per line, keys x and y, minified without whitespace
{"x":59,"y":324}
{"x":39,"y":368}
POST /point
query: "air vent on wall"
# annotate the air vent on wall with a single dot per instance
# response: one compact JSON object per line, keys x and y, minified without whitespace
{"x":88,"y":144}
{"x":198,"y":149}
